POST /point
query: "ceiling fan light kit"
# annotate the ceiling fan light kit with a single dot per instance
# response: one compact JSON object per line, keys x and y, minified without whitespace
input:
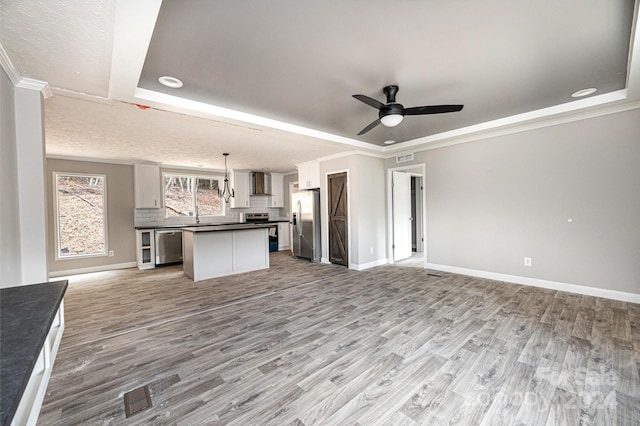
{"x":391,"y":120}
{"x":392,"y":113}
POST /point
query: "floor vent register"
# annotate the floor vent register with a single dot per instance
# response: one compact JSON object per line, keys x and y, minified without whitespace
{"x":137,"y":400}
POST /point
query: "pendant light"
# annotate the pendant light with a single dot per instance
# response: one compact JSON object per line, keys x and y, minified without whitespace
{"x":227,"y":192}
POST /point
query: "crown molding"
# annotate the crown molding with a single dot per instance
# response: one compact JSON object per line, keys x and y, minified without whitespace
{"x":18,"y":80}
{"x":450,"y":138}
{"x":35,"y":85}
{"x":350,"y":153}
{"x":8,"y":66}
{"x":89,"y":159}
{"x":59,"y":91}
{"x":129,"y":163}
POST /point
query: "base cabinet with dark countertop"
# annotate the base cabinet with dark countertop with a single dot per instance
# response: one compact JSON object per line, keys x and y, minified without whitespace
{"x":216,"y":251}
{"x":147,"y":250}
{"x":31,"y":327}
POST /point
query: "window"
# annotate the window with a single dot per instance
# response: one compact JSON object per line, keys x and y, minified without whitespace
{"x":81,"y":215}
{"x":184,"y":195}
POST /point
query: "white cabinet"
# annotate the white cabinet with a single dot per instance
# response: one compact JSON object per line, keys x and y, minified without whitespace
{"x":277,"y":190}
{"x":145,"y":248}
{"x":211,"y":254}
{"x":284,"y":237}
{"x":147,"y":186}
{"x":33,"y":395}
{"x":309,"y":175}
{"x":241,"y":185}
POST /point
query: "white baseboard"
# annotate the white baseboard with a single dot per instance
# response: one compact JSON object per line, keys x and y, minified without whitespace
{"x":368,"y":265}
{"x":534,"y":282}
{"x":92,"y":269}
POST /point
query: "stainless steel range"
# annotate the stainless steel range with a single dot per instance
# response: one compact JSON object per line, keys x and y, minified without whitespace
{"x":256,"y":217}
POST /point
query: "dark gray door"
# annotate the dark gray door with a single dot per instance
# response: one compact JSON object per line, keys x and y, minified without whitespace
{"x":338,"y":212}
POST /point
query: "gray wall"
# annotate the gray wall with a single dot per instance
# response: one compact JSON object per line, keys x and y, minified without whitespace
{"x":10,"y":262}
{"x":120,"y":205}
{"x":366,"y":198}
{"x":287,"y":196}
{"x":492,"y":202}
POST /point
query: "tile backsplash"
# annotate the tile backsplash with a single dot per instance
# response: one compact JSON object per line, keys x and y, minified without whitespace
{"x":259,"y":204}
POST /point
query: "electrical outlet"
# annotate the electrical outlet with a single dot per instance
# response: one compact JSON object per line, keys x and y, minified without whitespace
{"x":527,"y":261}
{"x":370,"y":250}
{"x":111,"y":253}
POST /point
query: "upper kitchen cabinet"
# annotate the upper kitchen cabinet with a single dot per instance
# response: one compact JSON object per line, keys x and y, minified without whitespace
{"x":241,"y":186}
{"x":147,"y":186}
{"x":309,"y":175}
{"x":277,"y":190}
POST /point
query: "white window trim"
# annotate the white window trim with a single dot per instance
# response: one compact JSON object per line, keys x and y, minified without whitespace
{"x":219,"y":178}
{"x":57,"y":219}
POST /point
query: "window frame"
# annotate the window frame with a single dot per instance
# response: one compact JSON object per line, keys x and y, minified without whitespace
{"x":219,"y":178}
{"x":56,"y":213}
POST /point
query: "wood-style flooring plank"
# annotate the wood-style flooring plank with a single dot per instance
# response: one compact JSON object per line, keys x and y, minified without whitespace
{"x":311,"y":344}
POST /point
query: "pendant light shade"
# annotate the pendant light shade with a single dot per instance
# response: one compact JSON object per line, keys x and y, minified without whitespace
{"x":227,"y":192}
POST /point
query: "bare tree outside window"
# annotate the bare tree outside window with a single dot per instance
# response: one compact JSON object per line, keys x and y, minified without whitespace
{"x":183,"y":194}
{"x":81,"y":215}
{"x":178,"y":196}
{"x":207,"y":197}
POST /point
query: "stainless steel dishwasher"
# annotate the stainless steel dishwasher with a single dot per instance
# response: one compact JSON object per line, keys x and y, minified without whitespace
{"x":168,"y":246}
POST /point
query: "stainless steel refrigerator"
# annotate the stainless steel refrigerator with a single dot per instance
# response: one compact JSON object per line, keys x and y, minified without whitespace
{"x":305,"y":206}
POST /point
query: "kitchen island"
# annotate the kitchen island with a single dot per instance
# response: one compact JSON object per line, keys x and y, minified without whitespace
{"x":32,"y":322}
{"x":221,"y":250}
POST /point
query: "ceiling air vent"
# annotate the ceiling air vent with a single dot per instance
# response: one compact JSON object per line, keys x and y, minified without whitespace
{"x":404,"y":158}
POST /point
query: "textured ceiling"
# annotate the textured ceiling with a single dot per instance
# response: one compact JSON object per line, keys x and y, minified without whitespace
{"x":271,"y":82}
{"x":120,"y":131}
{"x":64,"y":43}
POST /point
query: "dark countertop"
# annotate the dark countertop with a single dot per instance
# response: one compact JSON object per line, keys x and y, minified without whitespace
{"x":229,"y":227}
{"x":26,"y":315}
{"x":207,"y":224}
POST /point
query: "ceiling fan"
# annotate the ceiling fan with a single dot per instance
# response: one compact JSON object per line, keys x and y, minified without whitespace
{"x":392,"y":113}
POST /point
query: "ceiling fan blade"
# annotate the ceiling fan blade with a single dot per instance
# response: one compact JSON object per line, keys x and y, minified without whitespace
{"x":369,"y":127}
{"x":369,"y":101}
{"x":432,"y":109}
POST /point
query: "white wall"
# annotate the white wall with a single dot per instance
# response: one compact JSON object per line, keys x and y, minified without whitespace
{"x":23,"y":223}
{"x":10,"y":264}
{"x":30,"y":159}
{"x":490,"y":203}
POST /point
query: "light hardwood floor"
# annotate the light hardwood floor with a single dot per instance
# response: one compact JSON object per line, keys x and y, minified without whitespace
{"x":310,"y":344}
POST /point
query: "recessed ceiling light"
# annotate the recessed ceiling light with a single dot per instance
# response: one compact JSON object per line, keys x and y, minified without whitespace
{"x":172,"y":82}
{"x":390,"y":142}
{"x":584,"y":92}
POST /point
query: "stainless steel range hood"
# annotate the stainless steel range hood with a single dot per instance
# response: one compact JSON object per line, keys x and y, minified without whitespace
{"x":260,"y":183}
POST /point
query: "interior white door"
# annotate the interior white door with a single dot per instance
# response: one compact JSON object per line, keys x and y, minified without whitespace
{"x":401,"y":199}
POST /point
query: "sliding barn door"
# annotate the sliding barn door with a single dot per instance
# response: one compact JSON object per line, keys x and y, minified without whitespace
{"x":338,"y":226}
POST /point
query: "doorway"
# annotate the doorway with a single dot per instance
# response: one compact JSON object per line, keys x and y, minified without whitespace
{"x":417,"y":241}
{"x":338,"y":218}
{"x":406,"y":214}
